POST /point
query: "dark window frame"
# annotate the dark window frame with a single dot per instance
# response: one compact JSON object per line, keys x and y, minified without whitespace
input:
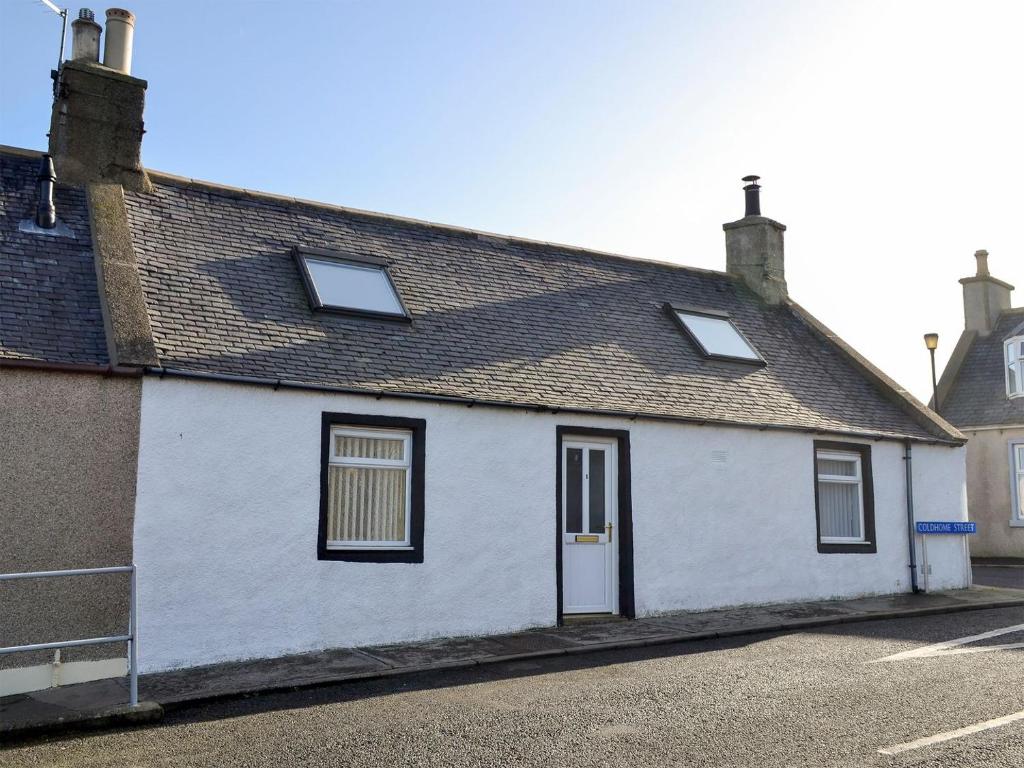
{"x":418,"y":427}
{"x":870,"y":544}
{"x":301,"y":253}
{"x":673,"y":309}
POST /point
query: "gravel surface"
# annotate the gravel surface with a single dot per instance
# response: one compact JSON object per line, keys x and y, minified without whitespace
{"x":807,"y":699}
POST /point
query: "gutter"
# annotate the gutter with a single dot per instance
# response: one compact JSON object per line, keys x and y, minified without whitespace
{"x":95,"y":369}
{"x":469,"y":402}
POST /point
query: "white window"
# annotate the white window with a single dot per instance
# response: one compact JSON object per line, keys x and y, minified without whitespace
{"x":1017,"y":481}
{"x":716,"y":336}
{"x":840,"y":497}
{"x":369,"y":478}
{"x":1014,"y":353}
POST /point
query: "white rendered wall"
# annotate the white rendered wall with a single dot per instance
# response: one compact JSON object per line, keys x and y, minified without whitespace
{"x":228,"y":505}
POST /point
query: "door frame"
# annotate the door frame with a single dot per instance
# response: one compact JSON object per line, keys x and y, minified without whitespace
{"x":624,"y":533}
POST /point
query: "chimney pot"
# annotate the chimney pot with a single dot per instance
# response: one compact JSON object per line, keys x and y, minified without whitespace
{"x":117,"y":51}
{"x":982,"y":257}
{"x":85,"y":37}
{"x":752,"y":195}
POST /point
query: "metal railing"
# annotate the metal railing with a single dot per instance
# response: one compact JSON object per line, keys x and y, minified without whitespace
{"x":131,"y":638}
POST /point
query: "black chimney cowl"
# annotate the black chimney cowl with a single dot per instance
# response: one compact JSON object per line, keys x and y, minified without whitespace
{"x":752,"y":193}
{"x":46,"y":211}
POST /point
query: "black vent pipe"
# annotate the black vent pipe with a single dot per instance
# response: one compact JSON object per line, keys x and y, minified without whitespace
{"x":46,"y":212}
{"x":752,"y":193}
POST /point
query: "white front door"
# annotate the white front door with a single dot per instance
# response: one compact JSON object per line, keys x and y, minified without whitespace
{"x":589,"y":506}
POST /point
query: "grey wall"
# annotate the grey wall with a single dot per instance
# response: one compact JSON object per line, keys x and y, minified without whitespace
{"x":68,"y":457}
{"x":988,"y":493}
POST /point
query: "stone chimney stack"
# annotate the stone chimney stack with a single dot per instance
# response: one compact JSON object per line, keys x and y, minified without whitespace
{"x":754,"y":249}
{"x":96,"y":125}
{"x":984,"y":297}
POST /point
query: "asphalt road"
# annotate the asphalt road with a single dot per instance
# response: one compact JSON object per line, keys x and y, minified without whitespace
{"x":816,"y":698}
{"x":999,"y":576}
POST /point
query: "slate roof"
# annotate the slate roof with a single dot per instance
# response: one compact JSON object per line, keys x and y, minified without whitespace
{"x":49,"y":305}
{"x":493,"y":319}
{"x":977,"y":396}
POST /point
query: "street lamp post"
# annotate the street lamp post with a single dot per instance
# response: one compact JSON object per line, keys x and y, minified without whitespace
{"x":931,"y":340}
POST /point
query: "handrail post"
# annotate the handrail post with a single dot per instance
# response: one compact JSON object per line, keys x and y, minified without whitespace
{"x":133,"y":664}
{"x":132,"y":638}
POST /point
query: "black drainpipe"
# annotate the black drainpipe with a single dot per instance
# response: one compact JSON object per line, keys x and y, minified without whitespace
{"x":910,"y":518}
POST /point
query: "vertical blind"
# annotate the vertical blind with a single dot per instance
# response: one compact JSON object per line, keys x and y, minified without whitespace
{"x":367,"y":488}
{"x":839,"y":506}
{"x":366,"y":504}
{"x":839,"y":498}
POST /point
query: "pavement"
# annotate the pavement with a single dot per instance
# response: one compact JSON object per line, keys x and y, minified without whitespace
{"x":95,"y":704}
{"x":920,"y":691}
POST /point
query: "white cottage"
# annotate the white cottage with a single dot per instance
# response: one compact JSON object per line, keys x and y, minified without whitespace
{"x":363,"y":429}
{"x":357,"y":428}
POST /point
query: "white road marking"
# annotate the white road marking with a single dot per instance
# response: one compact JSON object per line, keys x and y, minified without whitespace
{"x":950,"y":647}
{"x":938,"y":738}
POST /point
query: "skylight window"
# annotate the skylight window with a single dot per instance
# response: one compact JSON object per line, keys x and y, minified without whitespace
{"x":357,"y":285}
{"x":715,"y":335}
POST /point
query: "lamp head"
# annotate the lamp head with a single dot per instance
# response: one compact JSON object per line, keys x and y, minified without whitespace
{"x":931,"y":340}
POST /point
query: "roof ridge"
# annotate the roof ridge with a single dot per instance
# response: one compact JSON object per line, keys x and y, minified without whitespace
{"x":170,"y":178}
{"x":187,"y":181}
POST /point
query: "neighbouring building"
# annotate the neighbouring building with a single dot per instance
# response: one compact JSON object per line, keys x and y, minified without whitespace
{"x":356,"y":428}
{"x":70,"y":381}
{"x":982,"y":392}
{"x":69,"y":430}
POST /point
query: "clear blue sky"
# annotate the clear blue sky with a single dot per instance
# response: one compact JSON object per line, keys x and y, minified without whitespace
{"x":887,"y":134}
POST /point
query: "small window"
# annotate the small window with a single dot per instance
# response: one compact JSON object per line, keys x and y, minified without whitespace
{"x":1014,"y":354}
{"x":372,"y":489}
{"x":716,"y":335}
{"x":1017,"y":482}
{"x":843,"y":497}
{"x":358,"y":285}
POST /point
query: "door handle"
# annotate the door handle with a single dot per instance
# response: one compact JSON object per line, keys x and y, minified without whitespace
{"x":608,"y":530}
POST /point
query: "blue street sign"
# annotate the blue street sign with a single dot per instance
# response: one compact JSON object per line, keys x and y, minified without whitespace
{"x":967,"y":528}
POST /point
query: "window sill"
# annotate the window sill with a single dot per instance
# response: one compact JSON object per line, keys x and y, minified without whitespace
{"x":861,"y":542}
{"x":1017,"y":523}
{"x":372,"y":555}
{"x":353,"y":548}
{"x":847,"y":547}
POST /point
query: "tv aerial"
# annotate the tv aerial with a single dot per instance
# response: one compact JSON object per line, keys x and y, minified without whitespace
{"x":63,"y":13}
